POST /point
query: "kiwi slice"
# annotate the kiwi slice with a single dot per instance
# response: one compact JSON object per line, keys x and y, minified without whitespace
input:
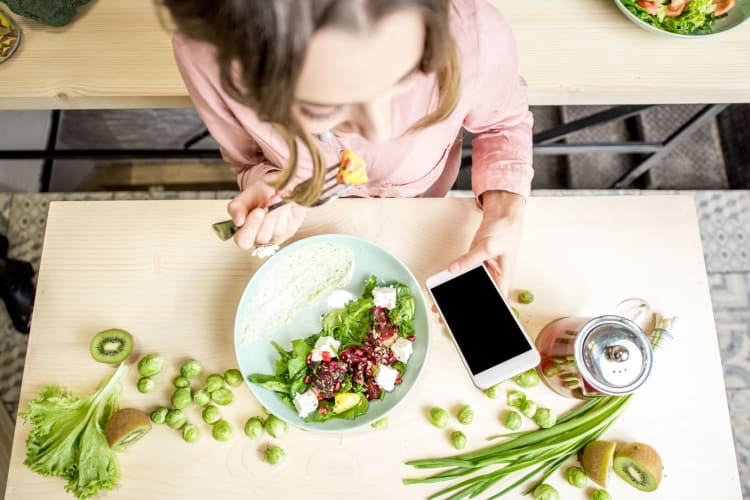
{"x":125,"y":427}
{"x":596,"y":460}
{"x":111,"y":346}
{"x":639,"y":465}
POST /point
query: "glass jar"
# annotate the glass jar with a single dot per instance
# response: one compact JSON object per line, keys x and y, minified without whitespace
{"x":583,"y":357}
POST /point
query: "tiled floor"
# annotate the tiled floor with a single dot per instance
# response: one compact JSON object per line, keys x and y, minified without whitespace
{"x":724,"y":218}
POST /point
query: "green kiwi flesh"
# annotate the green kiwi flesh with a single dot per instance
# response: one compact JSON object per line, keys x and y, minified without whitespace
{"x":111,"y":346}
{"x":639,"y":465}
{"x":596,"y":460}
{"x":125,"y":427}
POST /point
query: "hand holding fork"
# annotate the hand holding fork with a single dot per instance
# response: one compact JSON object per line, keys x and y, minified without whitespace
{"x":332,"y":189}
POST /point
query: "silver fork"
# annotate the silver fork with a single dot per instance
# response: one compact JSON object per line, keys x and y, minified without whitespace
{"x":330,"y":192}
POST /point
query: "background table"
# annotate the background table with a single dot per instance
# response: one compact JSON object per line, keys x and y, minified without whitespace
{"x":116,"y":54}
{"x":155,"y":268}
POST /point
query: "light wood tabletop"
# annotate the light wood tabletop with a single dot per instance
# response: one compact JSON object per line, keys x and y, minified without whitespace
{"x":116,"y":54}
{"x":155,"y":269}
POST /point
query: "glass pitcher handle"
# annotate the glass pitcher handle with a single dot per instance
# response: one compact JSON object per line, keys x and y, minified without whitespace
{"x":634,"y":309}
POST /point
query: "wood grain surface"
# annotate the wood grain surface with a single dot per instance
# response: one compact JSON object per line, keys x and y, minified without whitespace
{"x":117,"y":54}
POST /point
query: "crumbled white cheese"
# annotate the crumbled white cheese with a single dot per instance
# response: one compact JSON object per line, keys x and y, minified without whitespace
{"x":386,"y":377}
{"x":402,"y":349}
{"x":306,"y":403}
{"x":325,"y":344}
{"x":384,"y":296}
{"x":339,"y":298}
{"x":264,"y":251}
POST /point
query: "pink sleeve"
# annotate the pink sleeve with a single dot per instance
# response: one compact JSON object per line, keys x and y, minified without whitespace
{"x":199,"y":71}
{"x":500,"y":117}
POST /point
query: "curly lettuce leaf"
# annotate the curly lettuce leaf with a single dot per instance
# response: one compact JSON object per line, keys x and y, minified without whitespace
{"x":403,"y":314}
{"x":67,"y":436}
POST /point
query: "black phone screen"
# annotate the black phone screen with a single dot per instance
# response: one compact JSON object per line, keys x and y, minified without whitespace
{"x":482,"y":324}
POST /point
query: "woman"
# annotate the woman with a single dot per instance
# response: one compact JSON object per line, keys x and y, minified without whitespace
{"x":285,"y":85}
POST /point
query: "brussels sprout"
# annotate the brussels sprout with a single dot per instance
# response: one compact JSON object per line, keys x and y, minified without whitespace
{"x":222,"y":396}
{"x":211,"y":414}
{"x":233,"y":377}
{"x":190,"y":433}
{"x":181,"y":382}
{"x":380,"y":423}
{"x":175,"y":419}
{"x":465,"y":415}
{"x":275,"y":455}
{"x":544,"y":418}
{"x":159,"y":415}
{"x":545,"y":492}
{"x":181,"y":398}
{"x":575,"y":476}
{"x":274,"y":426}
{"x":221,"y":431}
{"x":458,"y":440}
{"x":516,"y":398}
{"x":201,"y":397}
{"x":150,"y":365}
{"x":254,"y":427}
{"x":525,"y":296}
{"x":213,"y":382}
{"x":512,"y":420}
{"x":600,"y":495}
{"x":146,"y":384}
{"x":528,"y":408}
{"x":515,"y":312}
{"x":493,"y":392}
{"x":527,"y":379}
{"x":438,"y":417}
{"x":190,"y":369}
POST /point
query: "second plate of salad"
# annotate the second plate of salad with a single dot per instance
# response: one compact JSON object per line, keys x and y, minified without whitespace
{"x":331,"y":333}
{"x":686,"y":18}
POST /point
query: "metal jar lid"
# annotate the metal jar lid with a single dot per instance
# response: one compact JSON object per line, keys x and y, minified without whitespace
{"x":613,"y":355}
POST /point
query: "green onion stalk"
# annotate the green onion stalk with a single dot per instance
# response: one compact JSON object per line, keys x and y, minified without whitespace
{"x":534,"y":454}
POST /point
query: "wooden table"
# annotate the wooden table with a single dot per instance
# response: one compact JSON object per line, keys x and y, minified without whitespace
{"x":156,"y":269}
{"x":117,"y":55}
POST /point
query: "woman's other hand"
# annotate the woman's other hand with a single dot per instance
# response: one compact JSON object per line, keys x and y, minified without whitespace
{"x":496,"y":240}
{"x":257,"y":225}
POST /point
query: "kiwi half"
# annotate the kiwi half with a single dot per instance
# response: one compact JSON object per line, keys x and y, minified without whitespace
{"x":125,"y":427}
{"x":111,"y":346}
{"x":596,"y":460}
{"x":639,"y":465}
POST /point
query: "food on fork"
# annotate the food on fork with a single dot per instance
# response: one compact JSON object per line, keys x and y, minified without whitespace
{"x":352,"y":169}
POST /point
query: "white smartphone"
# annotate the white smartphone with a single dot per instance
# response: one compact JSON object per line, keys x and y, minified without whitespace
{"x":491,"y":342}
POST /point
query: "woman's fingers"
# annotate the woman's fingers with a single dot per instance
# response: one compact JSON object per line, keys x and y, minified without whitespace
{"x":478,"y":253}
{"x":246,"y":236}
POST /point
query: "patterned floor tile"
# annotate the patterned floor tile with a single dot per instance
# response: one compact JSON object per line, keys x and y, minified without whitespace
{"x":4,"y":211}
{"x":739,"y":411}
{"x":730,"y":295}
{"x":724,"y":218}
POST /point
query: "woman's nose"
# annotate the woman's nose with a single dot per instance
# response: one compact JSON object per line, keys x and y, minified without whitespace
{"x":375,"y":121}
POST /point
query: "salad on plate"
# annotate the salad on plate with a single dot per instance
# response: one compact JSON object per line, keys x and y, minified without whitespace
{"x":679,"y":16}
{"x":359,"y":355}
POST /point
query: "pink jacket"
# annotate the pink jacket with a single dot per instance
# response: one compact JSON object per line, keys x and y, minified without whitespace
{"x":493,"y":105}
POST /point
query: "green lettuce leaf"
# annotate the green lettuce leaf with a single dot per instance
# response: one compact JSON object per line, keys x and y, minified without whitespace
{"x":67,"y":436}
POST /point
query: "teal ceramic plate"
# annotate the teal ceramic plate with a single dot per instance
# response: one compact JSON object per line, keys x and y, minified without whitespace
{"x":259,"y":356}
{"x":735,"y":17}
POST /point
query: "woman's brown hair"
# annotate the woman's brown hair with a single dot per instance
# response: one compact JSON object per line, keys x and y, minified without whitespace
{"x":260,"y":48}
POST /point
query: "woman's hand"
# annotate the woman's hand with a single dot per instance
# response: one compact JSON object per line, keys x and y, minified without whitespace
{"x":257,"y":225}
{"x":496,"y":240}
